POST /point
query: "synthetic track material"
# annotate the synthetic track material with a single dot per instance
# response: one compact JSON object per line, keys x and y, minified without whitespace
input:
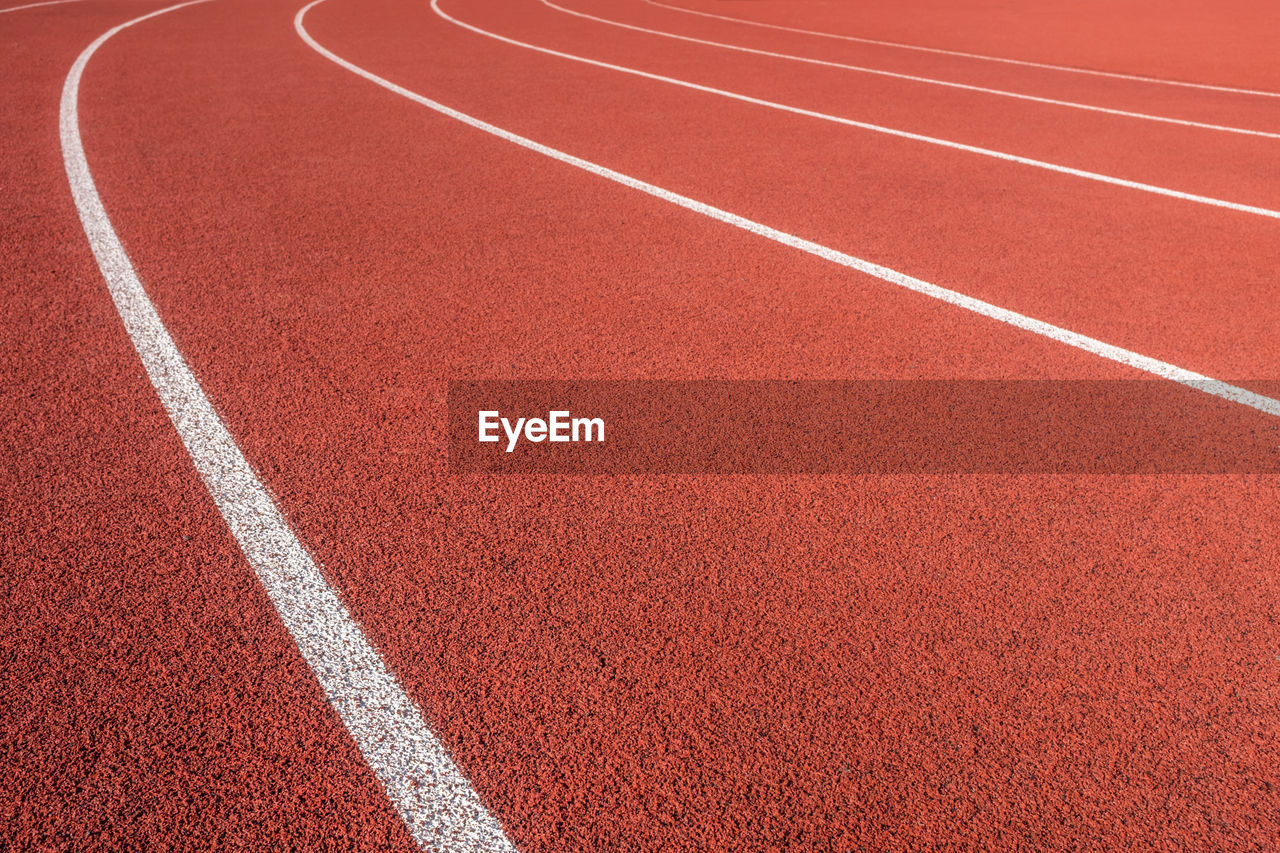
{"x":37,"y":5}
{"x":437,"y":804}
{"x":915,"y":78}
{"x":1095,"y":347}
{"x":915,"y":137}
{"x":149,"y":694}
{"x":619,"y":663}
{"x":943,"y":51}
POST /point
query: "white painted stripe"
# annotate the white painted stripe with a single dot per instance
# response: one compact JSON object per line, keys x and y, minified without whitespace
{"x":902,"y":134}
{"x":36,"y":5}
{"x":915,"y":79}
{"x":1069,"y":68}
{"x":1126,"y":357}
{"x":437,"y":804}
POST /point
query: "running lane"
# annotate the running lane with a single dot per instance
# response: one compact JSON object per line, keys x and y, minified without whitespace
{"x":680,"y":663}
{"x":1227,"y":44}
{"x":1231,"y":167}
{"x":1119,"y":264}
{"x":1205,"y":104}
{"x":149,"y":695}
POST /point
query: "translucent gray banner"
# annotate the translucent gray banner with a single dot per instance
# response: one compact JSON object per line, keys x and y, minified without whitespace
{"x":863,"y":426}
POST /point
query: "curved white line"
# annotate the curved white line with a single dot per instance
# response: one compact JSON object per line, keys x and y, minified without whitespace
{"x":916,"y":79}
{"x":35,"y":5}
{"x":1028,"y":63}
{"x":438,"y":805}
{"x":902,"y":134}
{"x":1096,"y":347}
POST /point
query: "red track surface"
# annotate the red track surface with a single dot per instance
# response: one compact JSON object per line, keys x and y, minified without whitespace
{"x":650,"y":662}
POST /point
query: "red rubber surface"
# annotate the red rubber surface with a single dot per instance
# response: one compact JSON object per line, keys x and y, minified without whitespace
{"x":1227,"y":44}
{"x":623,"y":663}
{"x":151,"y":697}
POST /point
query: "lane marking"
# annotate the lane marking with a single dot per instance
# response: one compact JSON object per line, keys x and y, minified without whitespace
{"x":1028,"y":63}
{"x":861,"y":125}
{"x":916,"y":79}
{"x":437,"y":804}
{"x":1111,"y":352}
{"x":35,"y":5}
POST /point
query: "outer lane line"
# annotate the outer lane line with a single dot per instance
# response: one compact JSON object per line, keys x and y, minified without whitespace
{"x":1094,"y":346}
{"x":436,"y":803}
{"x":34,"y":5}
{"x":1028,"y":63}
{"x":861,"y":125}
{"x":916,"y":79}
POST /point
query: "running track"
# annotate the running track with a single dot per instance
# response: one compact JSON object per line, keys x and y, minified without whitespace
{"x":661,"y":662}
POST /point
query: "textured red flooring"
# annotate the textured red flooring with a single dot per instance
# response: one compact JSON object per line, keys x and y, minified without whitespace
{"x":1124,"y":266}
{"x":1234,"y":167}
{"x":1226,"y":44}
{"x":149,"y":697}
{"x":1177,"y":102}
{"x":621,"y":663}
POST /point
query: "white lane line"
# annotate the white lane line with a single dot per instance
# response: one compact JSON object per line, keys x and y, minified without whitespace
{"x":861,"y":125}
{"x":35,"y":5}
{"x":1069,"y":68}
{"x":438,"y":805}
{"x":916,"y":79}
{"x":1126,"y":357}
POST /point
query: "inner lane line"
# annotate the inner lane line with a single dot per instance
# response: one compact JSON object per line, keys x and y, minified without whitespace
{"x":437,"y":804}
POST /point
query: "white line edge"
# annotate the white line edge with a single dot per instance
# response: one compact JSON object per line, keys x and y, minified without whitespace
{"x":437,"y":804}
{"x":37,"y":5}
